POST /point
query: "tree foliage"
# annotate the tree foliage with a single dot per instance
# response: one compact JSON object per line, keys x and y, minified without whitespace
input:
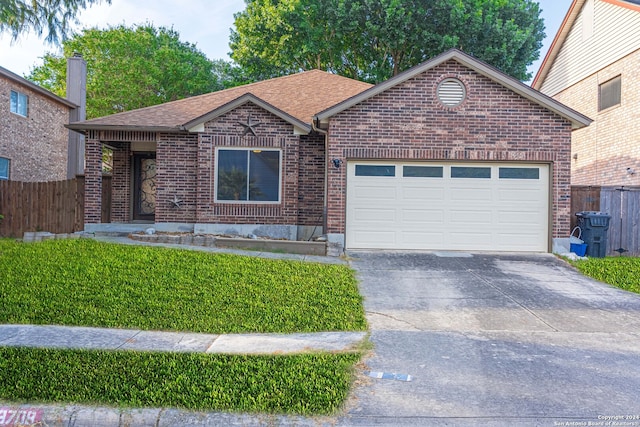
{"x":54,"y":16}
{"x":129,"y":68}
{"x":373,"y":40}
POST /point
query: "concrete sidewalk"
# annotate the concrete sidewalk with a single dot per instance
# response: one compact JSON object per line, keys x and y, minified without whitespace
{"x":132,"y":339}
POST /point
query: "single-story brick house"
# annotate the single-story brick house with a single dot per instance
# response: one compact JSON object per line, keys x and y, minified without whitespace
{"x":449,"y":155}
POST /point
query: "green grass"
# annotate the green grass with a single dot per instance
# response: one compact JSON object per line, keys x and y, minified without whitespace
{"x":88,"y":283}
{"x":306,"y":384}
{"x":623,"y":272}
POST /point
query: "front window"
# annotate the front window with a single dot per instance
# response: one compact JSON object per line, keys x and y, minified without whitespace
{"x":4,"y":168}
{"x":19,"y":103}
{"x":251,"y":175}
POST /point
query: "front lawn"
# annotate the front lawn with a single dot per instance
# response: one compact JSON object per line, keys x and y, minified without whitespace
{"x":88,"y":283}
{"x":307,"y":384}
{"x":623,"y":272}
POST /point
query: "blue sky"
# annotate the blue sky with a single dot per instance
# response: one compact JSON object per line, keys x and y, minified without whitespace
{"x":205,"y":23}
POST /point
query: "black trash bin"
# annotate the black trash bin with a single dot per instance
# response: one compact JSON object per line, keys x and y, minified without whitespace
{"x":594,"y":226}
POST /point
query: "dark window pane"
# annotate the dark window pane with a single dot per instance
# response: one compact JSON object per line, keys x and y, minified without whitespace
{"x":519,"y":173}
{"x":610,"y":93}
{"x":4,"y":168}
{"x":470,"y":172}
{"x":232,"y":175}
{"x":371,"y":170}
{"x":14,"y":102}
{"x":422,"y":171}
{"x":264,"y":177}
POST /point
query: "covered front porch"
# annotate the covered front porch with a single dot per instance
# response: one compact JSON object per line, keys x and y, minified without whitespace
{"x":165,"y":180}
{"x":128,"y":191}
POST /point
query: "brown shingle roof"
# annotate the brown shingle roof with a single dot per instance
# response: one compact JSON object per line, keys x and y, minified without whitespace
{"x":299,"y":95}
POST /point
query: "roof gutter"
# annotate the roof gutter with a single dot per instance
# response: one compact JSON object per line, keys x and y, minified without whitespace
{"x":315,"y":126}
{"x":80,"y":127}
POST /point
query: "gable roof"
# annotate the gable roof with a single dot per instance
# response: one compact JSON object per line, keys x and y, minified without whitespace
{"x":563,"y":32}
{"x":577,"y":120}
{"x":34,"y":87}
{"x":294,"y":98}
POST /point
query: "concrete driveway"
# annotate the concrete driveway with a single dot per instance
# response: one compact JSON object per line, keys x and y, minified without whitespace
{"x":495,"y":340}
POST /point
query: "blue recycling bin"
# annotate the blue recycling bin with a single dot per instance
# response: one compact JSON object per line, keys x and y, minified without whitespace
{"x":594,"y":226}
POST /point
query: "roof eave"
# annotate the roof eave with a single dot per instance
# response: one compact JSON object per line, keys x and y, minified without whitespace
{"x":34,"y":87}
{"x":577,"y":120}
{"x":196,"y":125}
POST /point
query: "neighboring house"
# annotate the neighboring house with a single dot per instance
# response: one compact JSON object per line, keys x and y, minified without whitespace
{"x":451,"y":154}
{"x":593,"y":66}
{"x":34,"y":143}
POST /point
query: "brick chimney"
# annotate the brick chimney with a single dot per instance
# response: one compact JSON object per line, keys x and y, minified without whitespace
{"x":76,"y":93}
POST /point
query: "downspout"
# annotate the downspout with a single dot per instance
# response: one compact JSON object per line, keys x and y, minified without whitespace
{"x":76,"y":93}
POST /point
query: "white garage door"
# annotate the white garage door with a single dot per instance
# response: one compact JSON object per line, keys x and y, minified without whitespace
{"x":447,"y":206}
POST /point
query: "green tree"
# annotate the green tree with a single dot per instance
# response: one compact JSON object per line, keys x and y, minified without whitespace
{"x":129,"y":68}
{"x":373,"y":40}
{"x":19,"y":16}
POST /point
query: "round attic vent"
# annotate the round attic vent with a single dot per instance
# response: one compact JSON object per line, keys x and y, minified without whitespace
{"x":451,"y":92}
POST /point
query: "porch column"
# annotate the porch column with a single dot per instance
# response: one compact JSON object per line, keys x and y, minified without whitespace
{"x":93,"y":179}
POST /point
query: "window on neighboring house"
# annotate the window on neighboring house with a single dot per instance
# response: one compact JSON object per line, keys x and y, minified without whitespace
{"x":19,"y":103}
{"x":4,"y":168}
{"x":248,"y":175}
{"x":609,"y":93}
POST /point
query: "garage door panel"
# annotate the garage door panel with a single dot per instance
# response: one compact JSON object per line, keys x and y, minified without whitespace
{"x":374,"y":215}
{"x":416,"y":193}
{"x":470,"y":193}
{"x":507,"y":212}
{"x":521,"y":194}
{"x":468,"y":217}
{"x":423,"y":240}
{"x":375,"y":192}
{"x":470,"y":239}
{"x":423,"y":216}
{"x":519,"y":218}
{"x":380,"y":238}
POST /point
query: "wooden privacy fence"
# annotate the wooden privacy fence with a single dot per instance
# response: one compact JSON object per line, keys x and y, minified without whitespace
{"x":56,"y":206}
{"x":623,"y":204}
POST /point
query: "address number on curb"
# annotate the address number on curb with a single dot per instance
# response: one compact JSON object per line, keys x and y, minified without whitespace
{"x":14,"y":417}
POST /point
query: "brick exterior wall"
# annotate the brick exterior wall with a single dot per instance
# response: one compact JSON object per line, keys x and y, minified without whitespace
{"x":93,"y":178}
{"x":177,"y":175}
{"x":121,"y":182}
{"x":36,"y":145}
{"x":311,"y":180}
{"x":186,"y":170}
{"x":611,"y":144}
{"x":272,"y":132}
{"x":407,"y":122}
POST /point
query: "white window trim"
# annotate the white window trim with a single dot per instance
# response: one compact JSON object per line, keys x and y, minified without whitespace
{"x":26,"y":97}
{"x":248,"y":202}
